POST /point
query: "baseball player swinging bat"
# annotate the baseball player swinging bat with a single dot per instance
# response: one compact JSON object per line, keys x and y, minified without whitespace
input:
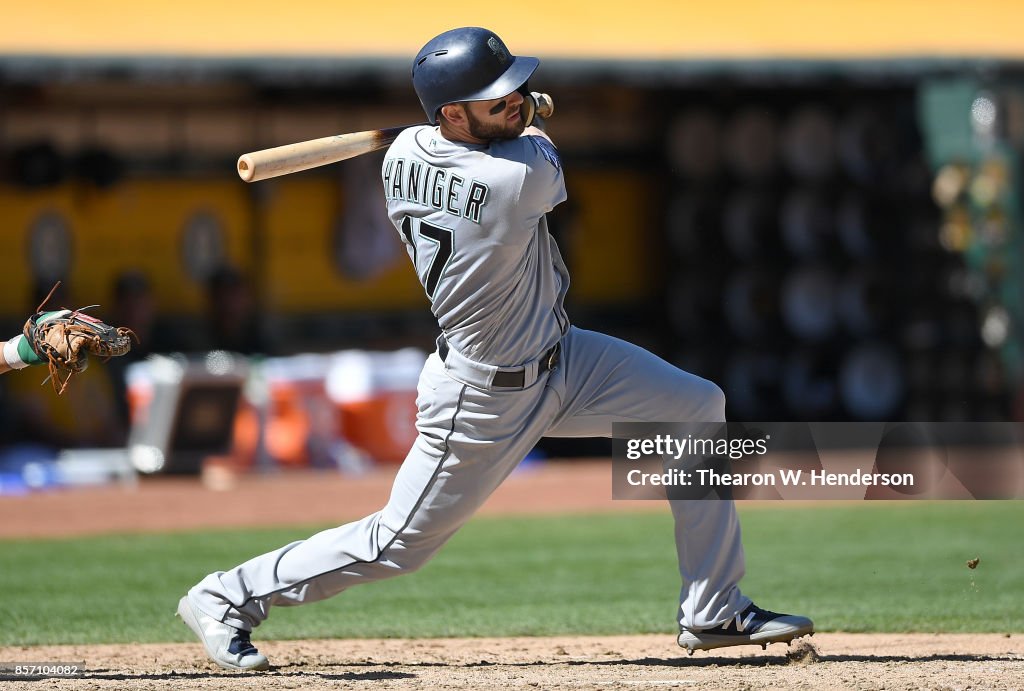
{"x":292,"y":158}
{"x":468,"y":193}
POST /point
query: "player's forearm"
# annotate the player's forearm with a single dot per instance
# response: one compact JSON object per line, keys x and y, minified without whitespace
{"x":11,"y":355}
{"x":4,"y":367}
{"x":17,"y":353}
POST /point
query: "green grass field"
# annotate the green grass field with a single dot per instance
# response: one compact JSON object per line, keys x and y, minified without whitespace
{"x":851,"y":567}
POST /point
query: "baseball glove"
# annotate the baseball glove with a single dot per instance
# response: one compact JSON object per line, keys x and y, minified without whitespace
{"x":65,"y":338}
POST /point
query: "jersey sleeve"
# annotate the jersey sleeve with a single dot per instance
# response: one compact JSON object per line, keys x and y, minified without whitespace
{"x":543,"y":185}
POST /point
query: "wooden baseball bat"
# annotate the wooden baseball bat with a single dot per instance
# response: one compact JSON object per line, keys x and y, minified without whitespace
{"x":292,"y":158}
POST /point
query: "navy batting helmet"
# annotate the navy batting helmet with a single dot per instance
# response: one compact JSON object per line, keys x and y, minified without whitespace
{"x":467,"y":64}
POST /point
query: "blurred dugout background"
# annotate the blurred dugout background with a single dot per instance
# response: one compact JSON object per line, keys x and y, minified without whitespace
{"x":818,"y":207}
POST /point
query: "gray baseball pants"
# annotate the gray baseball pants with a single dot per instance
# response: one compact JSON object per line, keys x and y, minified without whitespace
{"x":470,"y":439}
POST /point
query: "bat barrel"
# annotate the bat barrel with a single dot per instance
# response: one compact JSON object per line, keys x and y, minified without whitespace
{"x":293,"y":158}
{"x":246,"y":169}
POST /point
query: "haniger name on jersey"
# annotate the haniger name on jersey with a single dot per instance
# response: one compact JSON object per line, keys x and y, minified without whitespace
{"x":420,"y":183}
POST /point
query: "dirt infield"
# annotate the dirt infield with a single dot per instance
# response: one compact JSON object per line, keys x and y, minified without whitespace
{"x":834,"y":661}
{"x":830,"y":660}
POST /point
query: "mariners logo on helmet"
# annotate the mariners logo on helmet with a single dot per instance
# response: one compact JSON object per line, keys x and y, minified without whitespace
{"x":499,"y":50}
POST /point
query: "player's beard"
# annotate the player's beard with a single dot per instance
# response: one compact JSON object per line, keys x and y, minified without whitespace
{"x":490,"y":131}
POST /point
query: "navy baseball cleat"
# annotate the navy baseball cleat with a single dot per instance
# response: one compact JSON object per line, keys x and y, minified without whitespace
{"x":752,"y":626}
{"x":227,"y":646}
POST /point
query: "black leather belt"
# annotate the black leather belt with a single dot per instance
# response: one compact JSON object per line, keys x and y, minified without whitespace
{"x":514,"y":378}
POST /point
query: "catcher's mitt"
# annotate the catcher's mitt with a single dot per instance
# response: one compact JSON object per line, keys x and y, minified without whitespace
{"x":64,"y":339}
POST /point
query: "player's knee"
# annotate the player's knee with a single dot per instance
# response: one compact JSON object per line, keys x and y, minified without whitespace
{"x":712,"y":402}
{"x":408,"y":557}
{"x":697,"y":399}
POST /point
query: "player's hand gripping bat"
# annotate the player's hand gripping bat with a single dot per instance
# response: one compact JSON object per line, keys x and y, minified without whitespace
{"x":292,"y":158}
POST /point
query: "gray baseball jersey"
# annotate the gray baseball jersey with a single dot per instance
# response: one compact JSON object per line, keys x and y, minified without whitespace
{"x":473,"y":219}
{"x":509,"y":370}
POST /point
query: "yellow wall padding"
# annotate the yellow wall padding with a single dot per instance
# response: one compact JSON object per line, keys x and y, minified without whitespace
{"x":140,"y":225}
